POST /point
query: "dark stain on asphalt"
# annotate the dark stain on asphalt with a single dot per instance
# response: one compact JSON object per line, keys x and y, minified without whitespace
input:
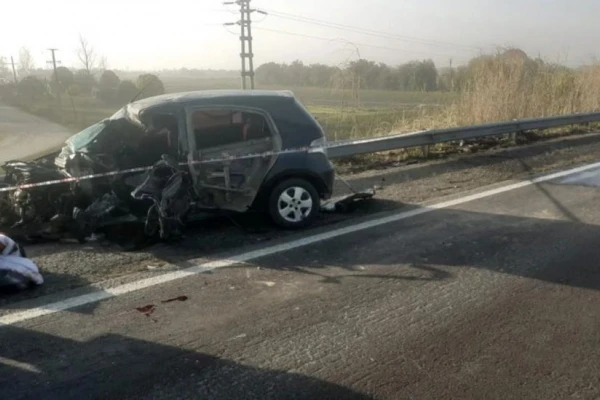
{"x":147,"y":310}
{"x":180,"y":298}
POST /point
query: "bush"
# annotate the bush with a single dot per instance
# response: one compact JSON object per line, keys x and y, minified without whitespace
{"x":32,"y":89}
{"x":107,"y":95}
{"x":74,"y":90}
{"x":85,"y":81}
{"x":8,"y":91}
{"x":65,"y":77}
{"x":126,"y":91}
{"x":149,"y":85}
{"x":109,"y":80}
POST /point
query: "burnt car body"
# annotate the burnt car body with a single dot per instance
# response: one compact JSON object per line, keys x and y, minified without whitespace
{"x":206,"y":151}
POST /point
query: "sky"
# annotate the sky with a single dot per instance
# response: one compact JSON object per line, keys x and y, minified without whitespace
{"x":161,"y":34}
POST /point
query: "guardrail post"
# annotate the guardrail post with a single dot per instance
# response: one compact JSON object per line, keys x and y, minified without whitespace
{"x":513,"y":137}
{"x":425,"y":149}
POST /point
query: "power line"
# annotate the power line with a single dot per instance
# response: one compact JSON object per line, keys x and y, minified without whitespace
{"x":372,"y":32}
{"x":350,"y":42}
{"x":356,"y":29}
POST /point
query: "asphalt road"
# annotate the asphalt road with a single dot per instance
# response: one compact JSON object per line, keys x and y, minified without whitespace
{"x":74,"y":267}
{"x":23,"y":134}
{"x":491,"y":296}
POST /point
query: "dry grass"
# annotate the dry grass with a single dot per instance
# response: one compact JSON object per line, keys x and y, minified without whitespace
{"x":503,"y":88}
{"x":500,"y":88}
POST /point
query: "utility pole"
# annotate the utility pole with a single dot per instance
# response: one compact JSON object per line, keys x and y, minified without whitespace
{"x":451,"y":77}
{"x":53,"y":62}
{"x":250,"y":54}
{"x":246,"y":54}
{"x":243,"y":40}
{"x":12,"y":62}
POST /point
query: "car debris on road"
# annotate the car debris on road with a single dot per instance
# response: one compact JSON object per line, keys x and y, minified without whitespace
{"x":346,"y":203}
{"x":160,"y":162}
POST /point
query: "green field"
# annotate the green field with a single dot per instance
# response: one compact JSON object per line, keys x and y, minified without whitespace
{"x":375,"y":112}
{"x":338,"y":122}
{"x":317,"y":96}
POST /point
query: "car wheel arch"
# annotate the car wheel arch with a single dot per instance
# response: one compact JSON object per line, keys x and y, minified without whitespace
{"x":262,"y":197}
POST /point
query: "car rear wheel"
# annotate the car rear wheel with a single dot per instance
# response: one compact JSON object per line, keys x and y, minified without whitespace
{"x":294,"y":203}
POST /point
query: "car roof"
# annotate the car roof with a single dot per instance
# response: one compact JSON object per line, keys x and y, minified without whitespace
{"x":199,"y":95}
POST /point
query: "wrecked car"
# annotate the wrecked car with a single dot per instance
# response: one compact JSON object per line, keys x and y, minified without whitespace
{"x":212,"y":151}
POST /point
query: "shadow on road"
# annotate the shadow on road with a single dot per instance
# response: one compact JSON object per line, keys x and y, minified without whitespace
{"x":428,"y":247}
{"x":118,"y":367}
{"x":221,"y":234}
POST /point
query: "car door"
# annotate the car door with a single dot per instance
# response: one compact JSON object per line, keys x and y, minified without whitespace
{"x":232,"y":149}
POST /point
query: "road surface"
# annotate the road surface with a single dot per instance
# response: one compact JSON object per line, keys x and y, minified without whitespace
{"x":23,"y":134}
{"x":489,"y":294}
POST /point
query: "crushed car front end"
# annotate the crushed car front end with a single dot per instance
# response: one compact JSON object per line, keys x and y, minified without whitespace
{"x":77,"y":207}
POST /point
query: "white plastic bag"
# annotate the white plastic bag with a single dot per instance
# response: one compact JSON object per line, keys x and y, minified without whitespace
{"x":16,"y":271}
{"x":9,"y":247}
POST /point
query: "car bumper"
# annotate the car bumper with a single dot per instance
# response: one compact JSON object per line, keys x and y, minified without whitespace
{"x":319,"y":165}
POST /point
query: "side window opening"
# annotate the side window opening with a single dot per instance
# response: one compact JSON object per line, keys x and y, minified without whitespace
{"x":215,"y":128}
{"x":162,"y":138}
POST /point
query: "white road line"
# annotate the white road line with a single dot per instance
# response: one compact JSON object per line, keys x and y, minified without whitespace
{"x":62,"y":305}
{"x":19,"y":365}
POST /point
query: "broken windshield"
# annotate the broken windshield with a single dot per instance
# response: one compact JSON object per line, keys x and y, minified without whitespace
{"x":88,"y":136}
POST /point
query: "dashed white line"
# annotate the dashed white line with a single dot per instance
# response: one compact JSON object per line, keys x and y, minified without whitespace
{"x":62,"y":305}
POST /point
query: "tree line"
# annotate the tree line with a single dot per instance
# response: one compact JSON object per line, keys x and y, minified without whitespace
{"x":418,"y":75}
{"x":91,"y":78}
{"x":107,"y":88}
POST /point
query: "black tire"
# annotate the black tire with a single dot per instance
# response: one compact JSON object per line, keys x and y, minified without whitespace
{"x":304,"y":217}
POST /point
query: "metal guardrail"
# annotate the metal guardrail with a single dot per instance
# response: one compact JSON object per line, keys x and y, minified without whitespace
{"x":425,"y":138}
{"x":348,"y":148}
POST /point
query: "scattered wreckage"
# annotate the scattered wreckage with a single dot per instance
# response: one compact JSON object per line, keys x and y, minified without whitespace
{"x":208,"y":151}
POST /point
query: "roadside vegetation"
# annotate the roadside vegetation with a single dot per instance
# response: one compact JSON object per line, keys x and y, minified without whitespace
{"x":360,"y":99}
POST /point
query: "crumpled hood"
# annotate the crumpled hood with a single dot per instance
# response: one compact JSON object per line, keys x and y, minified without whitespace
{"x":86,"y":140}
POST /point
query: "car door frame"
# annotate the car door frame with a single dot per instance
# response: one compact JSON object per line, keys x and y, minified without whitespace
{"x":242,"y":203}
